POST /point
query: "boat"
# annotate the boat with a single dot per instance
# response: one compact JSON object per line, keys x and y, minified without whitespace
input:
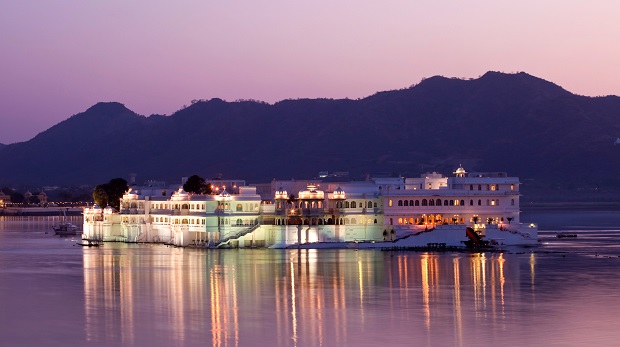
{"x":562,"y":235}
{"x":89,"y":243}
{"x":65,"y":228}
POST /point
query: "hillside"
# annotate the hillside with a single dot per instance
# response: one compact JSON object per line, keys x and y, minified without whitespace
{"x":517,"y":123}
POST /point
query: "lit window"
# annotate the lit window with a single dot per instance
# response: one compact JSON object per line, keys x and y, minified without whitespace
{"x":390,"y":203}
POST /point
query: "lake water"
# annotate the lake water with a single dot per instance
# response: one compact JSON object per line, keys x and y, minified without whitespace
{"x":565,"y":292}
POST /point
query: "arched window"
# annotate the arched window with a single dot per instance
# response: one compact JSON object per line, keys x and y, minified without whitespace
{"x":424,"y":202}
{"x":471,"y":187}
{"x":410,"y":202}
{"x":239,"y":221}
{"x":445,"y":202}
{"x":375,"y":221}
{"x":185,"y":207}
{"x":462,"y":202}
{"x":479,"y":187}
{"x":400,"y":221}
{"x":400,"y":203}
{"x":375,"y":204}
{"x":431,"y":202}
{"x":353,"y":204}
{"x":451,"y":202}
{"x":479,"y":202}
{"x":406,"y":203}
{"x":512,"y":202}
{"x":346,"y":221}
{"x":239,"y":208}
{"x":369,"y":205}
{"x":471,"y":202}
{"x":438,"y":203}
{"x":353,"y":221}
{"x":417,"y":202}
{"x":346,"y":204}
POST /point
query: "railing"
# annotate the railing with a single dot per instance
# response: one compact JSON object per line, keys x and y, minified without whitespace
{"x":237,"y":235}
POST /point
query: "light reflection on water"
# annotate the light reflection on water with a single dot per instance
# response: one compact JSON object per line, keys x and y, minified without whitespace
{"x":563,"y":293}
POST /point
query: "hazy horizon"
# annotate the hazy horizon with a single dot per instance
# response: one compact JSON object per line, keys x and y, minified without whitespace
{"x":59,"y":58}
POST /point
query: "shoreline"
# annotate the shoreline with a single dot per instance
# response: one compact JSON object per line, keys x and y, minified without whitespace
{"x":579,"y":205}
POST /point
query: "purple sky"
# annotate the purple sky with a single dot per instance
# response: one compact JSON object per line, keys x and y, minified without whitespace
{"x":60,"y":57}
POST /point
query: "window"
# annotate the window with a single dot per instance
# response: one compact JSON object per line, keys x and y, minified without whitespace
{"x":493,"y":187}
{"x":438,"y":202}
{"x":353,"y":204}
{"x":479,"y":202}
{"x":451,"y":202}
{"x":471,"y":187}
{"x":424,"y":202}
{"x":369,"y":205}
{"x":479,"y":187}
{"x":445,"y":202}
{"x":347,"y":204}
{"x":410,"y":202}
{"x":512,"y":202}
{"x":417,"y":202}
{"x":375,"y":204}
{"x":239,"y":208}
{"x":400,"y":203}
{"x":431,"y":202}
{"x":512,"y":187}
{"x":406,"y":203}
{"x":462,"y":202}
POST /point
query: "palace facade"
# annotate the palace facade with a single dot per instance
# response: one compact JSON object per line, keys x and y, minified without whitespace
{"x":430,"y":209}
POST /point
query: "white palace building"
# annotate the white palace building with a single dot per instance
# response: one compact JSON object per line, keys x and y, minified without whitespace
{"x":466,"y":209}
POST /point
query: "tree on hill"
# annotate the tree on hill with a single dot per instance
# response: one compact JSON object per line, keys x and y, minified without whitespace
{"x":110,"y":193}
{"x":197,"y":185}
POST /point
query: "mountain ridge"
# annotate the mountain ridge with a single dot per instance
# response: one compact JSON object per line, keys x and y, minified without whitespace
{"x":517,"y":123}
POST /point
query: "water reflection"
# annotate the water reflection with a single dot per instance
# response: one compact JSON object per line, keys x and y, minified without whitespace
{"x":306,"y":297}
{"x":123,"y":294}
